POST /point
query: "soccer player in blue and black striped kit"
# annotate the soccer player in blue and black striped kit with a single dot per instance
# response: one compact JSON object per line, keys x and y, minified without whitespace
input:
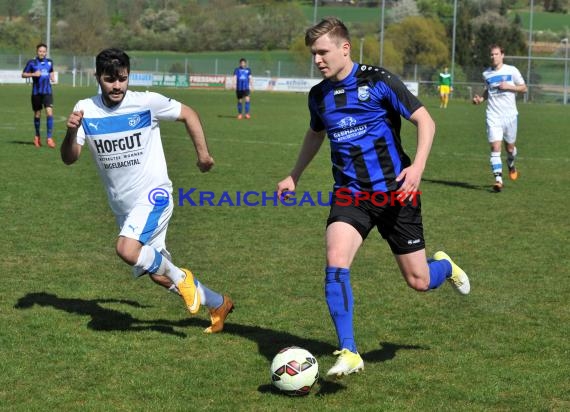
{"x":40,"y":70}
{"x":243,"y":85}
{"x":359,"y":108}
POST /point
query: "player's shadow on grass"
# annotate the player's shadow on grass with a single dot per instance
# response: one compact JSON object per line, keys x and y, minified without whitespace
{"x":330,"y":385}
{"x":323,"y":386}
{"x":24,"y":142}
{"x":462,"y":185}
{"x":269,"y":341}
{"x":388,"y":351}
{"x":227,"y":116}
{"x":102,"y":319}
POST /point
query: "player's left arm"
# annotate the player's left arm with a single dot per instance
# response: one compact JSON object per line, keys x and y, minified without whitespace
{"x":194,"y":128}
{"x":518,"y":84}
{"x":412,"y":175}
{"x":515,"y":88}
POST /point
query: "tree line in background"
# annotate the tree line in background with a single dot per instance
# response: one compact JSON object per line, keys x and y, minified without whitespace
{"x":417,"y":32}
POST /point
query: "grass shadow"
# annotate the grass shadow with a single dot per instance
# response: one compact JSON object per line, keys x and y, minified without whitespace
{"x":324,"y":387}
{"x":102,"y":319}
{"x":388,"y":351}
{"x":22,"y":142}
{"x":269,"y":341}
{"x":461,"y":185}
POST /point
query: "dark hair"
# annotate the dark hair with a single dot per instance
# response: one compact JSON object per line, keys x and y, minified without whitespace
{"x":332,"y":26}
{"x":496,"y":46}
{"x":112,"y":62}
{"x":41,"y":45}
{"x":242,"y":60}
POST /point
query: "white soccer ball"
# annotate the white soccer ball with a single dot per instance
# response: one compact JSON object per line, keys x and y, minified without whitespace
{"x":294,"y":371}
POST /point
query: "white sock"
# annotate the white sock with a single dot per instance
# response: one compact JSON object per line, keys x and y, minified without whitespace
{"x":174,"y":289}
{"x":150,"y":260}
{"x":496,"y":165}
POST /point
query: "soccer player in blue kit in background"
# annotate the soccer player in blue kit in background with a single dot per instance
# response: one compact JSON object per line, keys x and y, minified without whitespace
{"x":243,"y":85}
{"x":360,"y":107}
{"x":40,"y":70}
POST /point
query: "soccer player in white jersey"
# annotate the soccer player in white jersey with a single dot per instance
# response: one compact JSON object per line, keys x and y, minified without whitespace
{"x":502,"y":83}
{"x":121,"y":128}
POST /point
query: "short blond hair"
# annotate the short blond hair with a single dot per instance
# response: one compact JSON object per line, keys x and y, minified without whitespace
{"x":332,"y":26}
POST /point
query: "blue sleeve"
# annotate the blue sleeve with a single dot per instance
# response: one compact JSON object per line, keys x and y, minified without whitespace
{"x":29,"y":67}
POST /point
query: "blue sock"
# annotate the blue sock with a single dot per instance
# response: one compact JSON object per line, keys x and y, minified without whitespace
{"x":208,"y":297}
{"x":239,"y":106}
{"x":49,"y":124}
{"x":338,"y":294}
{"x":37,"y":125}
{"x":439,"y":271}
{"x":246,"y":107}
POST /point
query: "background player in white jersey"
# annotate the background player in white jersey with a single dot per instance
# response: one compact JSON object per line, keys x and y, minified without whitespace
{"x":502,"y":83}
{"x":122,"y":130}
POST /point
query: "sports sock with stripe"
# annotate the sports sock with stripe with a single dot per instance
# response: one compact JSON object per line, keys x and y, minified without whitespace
{"x":338,"y":293}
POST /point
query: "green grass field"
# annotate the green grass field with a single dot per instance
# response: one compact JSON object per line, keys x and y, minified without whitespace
{"x":78,"y":333}
{"x":557,"y":22}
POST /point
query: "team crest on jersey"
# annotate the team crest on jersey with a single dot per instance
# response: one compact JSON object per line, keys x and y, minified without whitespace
{"x":363,"y":93}
{"x":134,"y":120}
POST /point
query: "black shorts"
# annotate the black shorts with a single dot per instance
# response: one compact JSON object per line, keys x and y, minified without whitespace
{"x":242,"y":93}
{"x":400,"y":223}
{"x":39,"y":101}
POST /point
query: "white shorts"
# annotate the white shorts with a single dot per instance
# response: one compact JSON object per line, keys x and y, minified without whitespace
{"x":502,"y":129}
{"x":148,"y":223}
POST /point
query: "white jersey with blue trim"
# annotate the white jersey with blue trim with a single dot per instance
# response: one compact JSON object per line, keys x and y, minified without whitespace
{"x":502,"y":103}
{"x":125,"y":143}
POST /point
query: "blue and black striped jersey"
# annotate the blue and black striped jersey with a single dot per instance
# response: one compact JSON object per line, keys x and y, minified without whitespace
{"x":362,"y":117}
{"x":42,"y":84}
{"x":242,"y":78}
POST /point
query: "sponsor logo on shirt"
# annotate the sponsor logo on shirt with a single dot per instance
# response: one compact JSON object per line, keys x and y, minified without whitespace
{"x":105,"y":146}
{"x":347,"y":122}
{"x":350,"y":129}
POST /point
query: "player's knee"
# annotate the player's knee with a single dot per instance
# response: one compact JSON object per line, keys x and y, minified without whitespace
{"x":418,"y":283}
{"x":337,"y":259}
{"x":128,"y":254}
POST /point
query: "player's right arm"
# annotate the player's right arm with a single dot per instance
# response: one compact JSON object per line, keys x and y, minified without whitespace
{"x":70,"y":149}
{"x":311,"y":145}
{"x":480,"y":99}
{"x":27,"y":72}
